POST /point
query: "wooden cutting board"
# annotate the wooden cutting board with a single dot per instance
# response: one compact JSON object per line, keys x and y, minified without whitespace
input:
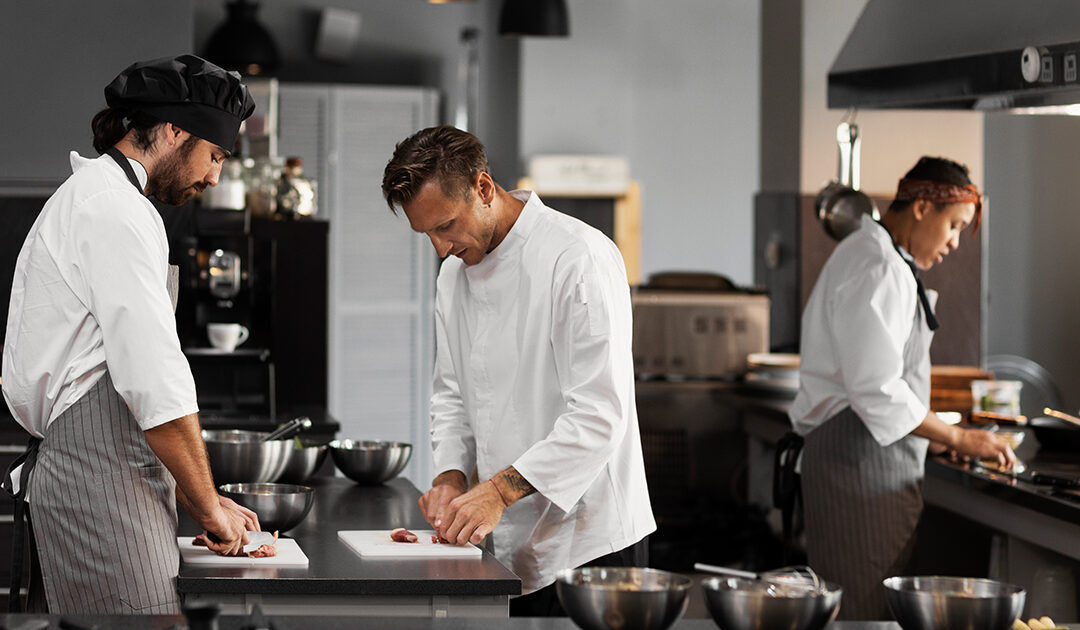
{"x":289,"y":554}
{"x":376,"y":543}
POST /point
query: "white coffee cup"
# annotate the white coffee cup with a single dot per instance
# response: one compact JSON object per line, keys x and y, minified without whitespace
{"x":226,"y":336}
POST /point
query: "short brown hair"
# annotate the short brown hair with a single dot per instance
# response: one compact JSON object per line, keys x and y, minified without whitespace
{"x":447,"y":154}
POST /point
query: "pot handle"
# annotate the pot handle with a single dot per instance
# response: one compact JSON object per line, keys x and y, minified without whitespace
{"x":847,"y":137}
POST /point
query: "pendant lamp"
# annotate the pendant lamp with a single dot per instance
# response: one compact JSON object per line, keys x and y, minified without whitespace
{"x":542,"y":18}
{"x":241,"y":43}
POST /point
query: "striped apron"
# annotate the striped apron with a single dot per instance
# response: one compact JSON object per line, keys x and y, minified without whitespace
{"x":103,"y":506}
{"x":862,"y":501}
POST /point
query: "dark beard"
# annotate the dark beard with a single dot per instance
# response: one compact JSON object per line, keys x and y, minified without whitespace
{"x":166,"y":184}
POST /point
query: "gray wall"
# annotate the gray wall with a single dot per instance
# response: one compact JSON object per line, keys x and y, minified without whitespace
{"x":674,"y":87}
{"x":58,"y":56}
{"x":402,"y":42}
{"x":1034,"y":216}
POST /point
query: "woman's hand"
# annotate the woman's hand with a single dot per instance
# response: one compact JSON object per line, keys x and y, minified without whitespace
{"x":984,"y":445}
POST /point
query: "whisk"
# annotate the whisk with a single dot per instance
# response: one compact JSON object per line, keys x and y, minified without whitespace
{"x":782,"y":582}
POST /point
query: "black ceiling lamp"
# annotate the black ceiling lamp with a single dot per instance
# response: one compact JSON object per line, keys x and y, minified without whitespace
{"x":241,"y":43}
{"x":542,"y":18}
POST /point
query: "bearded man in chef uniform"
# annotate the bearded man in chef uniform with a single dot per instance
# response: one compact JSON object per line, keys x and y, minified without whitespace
{"x":534,"y":377}
{"x":864,"y":387}
{"x":92,"y":366}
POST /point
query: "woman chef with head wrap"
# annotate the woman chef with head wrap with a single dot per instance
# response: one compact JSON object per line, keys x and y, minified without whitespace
{"x":863,"y":401}
{"x":92,"y":365}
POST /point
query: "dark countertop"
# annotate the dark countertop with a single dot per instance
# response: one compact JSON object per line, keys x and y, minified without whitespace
{"x":336,"y":569}
{"x":231,"y":622}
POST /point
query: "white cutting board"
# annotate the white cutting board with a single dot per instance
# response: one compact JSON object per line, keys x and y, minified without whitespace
{"x":376,"y":543}
{"x":289,"y":554}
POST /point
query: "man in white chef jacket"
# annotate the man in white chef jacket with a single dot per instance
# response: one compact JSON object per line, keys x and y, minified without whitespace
{"x":92,"y":367}
{"x":534,"y":378}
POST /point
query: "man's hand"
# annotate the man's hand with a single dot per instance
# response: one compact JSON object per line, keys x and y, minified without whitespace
{"x":251,"y":519}
{"x":471,"y":516}
{"x":445,"y":488}
{"x":229,"y":526}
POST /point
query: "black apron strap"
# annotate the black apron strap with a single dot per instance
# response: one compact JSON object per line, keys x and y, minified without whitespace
{"x":18,"y":542}
{"x":928,"y":313}
{"x":786,"y":487}
{"x":122,"y":160}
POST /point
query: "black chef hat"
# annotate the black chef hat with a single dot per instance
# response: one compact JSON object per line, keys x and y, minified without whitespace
{"x":187,"y":91}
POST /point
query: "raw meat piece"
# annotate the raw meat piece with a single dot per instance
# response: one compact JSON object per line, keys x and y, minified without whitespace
{"x":403,"y":535}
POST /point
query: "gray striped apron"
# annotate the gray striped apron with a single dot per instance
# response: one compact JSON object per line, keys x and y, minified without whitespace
{"x":103,"y":509}
{"x":862,"y":501}
{"x":103,"y":506}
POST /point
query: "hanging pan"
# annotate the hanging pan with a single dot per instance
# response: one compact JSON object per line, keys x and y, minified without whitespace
{"x":840,"y":205}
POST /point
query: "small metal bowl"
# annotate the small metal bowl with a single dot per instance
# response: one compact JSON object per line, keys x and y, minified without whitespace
{"x":280,"y":506}
{"x":370,"y":462}
{"x":302,"y":462}
{"x":625,"y":598}
{"x":743,"y":604}
{"x":242,"y":457}
{"x":953,"y":603}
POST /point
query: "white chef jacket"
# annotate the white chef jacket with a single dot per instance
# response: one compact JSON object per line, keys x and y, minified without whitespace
{"x":534,"y":369}
{"x":89,"y":295}
{"x":854,"y":328}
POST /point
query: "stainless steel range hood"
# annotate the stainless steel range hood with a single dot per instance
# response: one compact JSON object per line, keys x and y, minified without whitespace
{"x":959,"y":54}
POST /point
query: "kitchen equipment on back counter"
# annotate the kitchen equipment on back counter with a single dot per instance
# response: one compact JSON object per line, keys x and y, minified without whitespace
{"x":697,"y":325}
{"x":773,"y":373}
{"x":841,"y":205}
{"x":1055,"y":433}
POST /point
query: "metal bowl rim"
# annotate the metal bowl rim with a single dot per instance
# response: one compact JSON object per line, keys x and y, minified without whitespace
{"x":897,"y":584}
{"x":679,"y":583}
{"x":366,"y":445}
{"x":215,"y":435}
{"x":265,"y":489}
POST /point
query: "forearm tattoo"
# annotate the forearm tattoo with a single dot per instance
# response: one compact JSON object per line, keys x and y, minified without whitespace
{"x":518,"y":484}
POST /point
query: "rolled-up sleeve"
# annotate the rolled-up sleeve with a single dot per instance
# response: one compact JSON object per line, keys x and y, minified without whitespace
{"x":591,"y":337}
{"x":452,"y":439}
{"x":870,"y":317}
{"x":122,"y":257}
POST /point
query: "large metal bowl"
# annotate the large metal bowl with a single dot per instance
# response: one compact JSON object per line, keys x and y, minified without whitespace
{"x":370,"y":462}
{"x":302,"y":462}
{"x":743,"y":604}
{"x":953,"y":603}
{"x":624,"y":598}
{"x":280,"y":506}
{"x":241,"y":457}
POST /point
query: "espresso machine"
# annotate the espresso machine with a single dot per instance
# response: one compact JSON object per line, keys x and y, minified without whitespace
{"x":268,"y":277}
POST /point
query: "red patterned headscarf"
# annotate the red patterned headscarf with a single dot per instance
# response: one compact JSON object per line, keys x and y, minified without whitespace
{"x":938,"y":192}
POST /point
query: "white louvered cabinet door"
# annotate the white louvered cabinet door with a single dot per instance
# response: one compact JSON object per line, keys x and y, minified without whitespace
{"x":382,"y":274}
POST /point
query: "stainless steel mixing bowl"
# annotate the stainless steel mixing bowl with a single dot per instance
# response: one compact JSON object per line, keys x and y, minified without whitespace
{"x":303,"y":460}
{"x":370,"y":462}
{"x":238,"y":456}
{"x":953,"y":603}
{"x":624,"y":598}
{"x":744,"y":604}
{"x":280,"y":506}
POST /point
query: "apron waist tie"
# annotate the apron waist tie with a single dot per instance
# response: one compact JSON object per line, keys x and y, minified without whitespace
{"x":786,"y":486}
{"x":18,"y":544}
